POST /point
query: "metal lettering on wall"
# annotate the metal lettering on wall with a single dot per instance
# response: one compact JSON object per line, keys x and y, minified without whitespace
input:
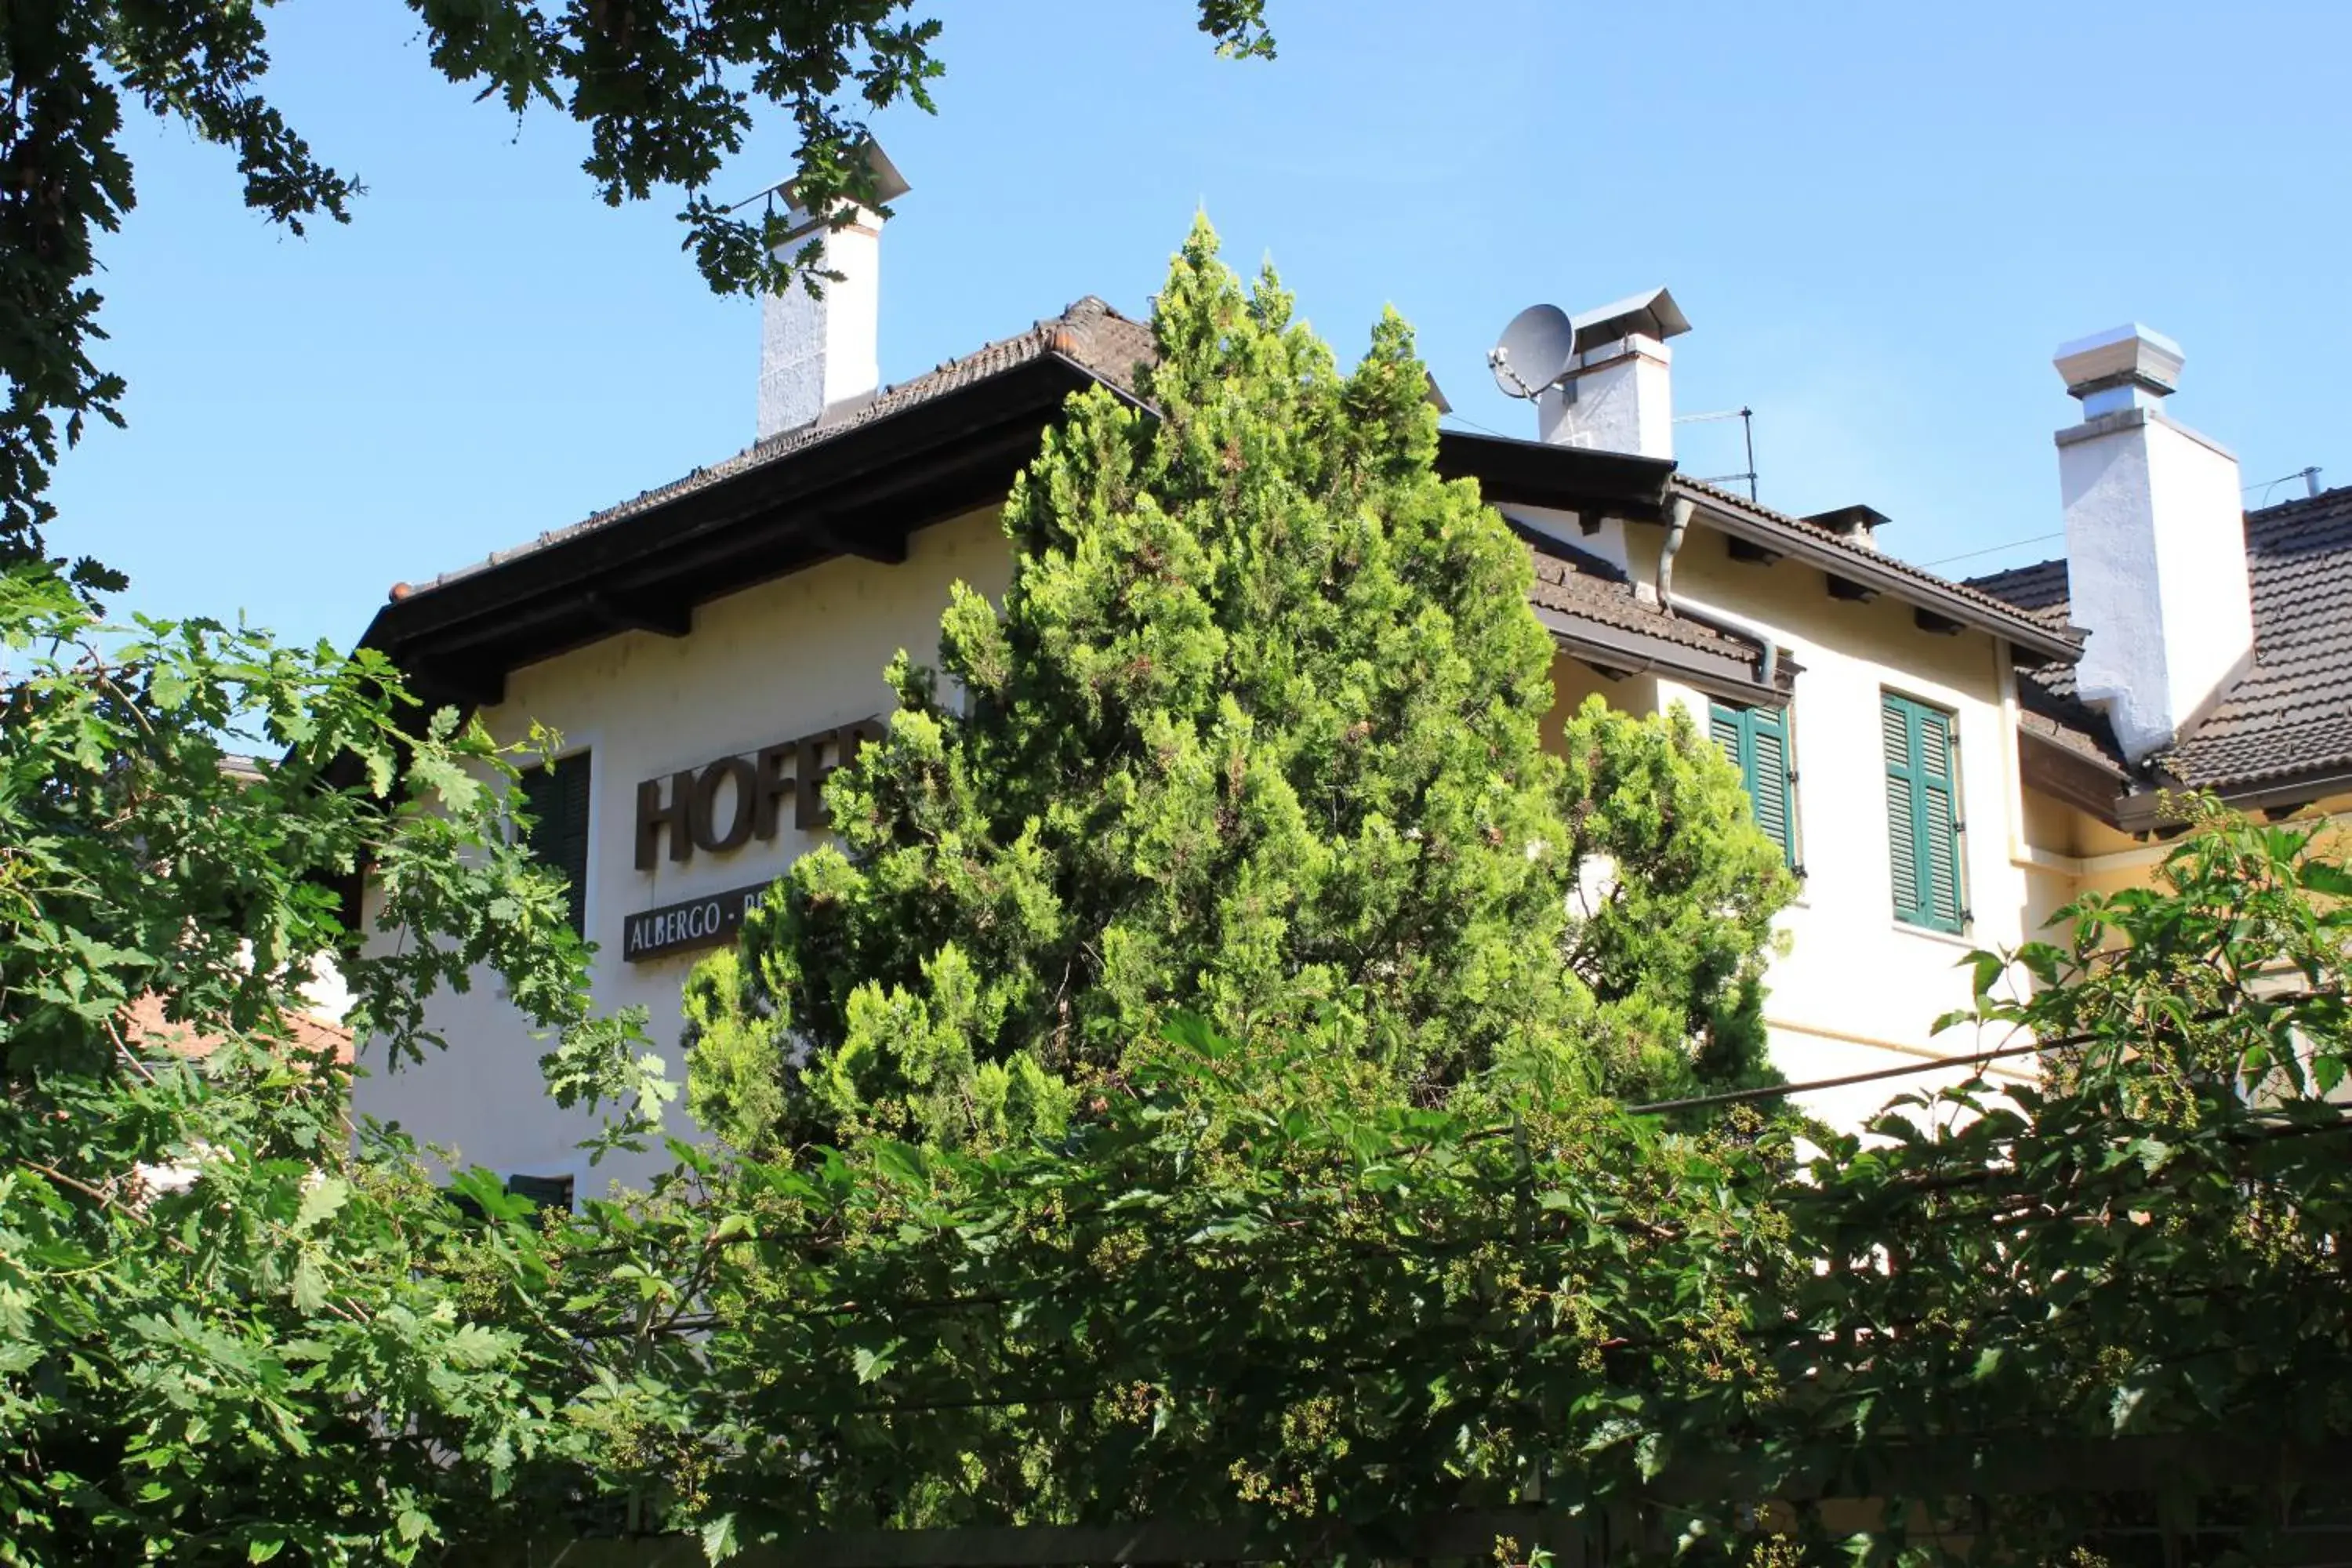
{"x":697,"y":922}
{"x":761,"y":786}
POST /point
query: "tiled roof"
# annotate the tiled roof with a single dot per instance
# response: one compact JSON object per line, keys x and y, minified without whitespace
{"x":2049,"y":708}
{"x":2292,"y":712}
{"x":1113,"y":348}
{"x":1868,"y":560}
{"x":2040,"y":587}
{"x":143,"y":1023}
{"x":1090,"y":333}
{"x":1577,"y":584}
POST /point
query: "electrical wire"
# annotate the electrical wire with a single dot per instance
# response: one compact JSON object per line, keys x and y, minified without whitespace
{"x":1782,"y":1090}
{"x":1991,"y":549}
{"x":1466,"y":419}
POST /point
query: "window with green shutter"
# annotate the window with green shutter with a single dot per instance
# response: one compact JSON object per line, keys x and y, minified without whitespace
{"x":1923,"y":815}
{"x":1757,"y":741}
{"x":546,"y":1192}
{"x":556,"y":795}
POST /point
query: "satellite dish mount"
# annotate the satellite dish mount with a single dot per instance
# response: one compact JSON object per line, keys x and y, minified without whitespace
{"x":1534,"y":352}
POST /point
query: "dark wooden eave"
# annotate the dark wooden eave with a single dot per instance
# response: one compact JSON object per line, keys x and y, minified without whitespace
{"x":1566,"y":479}
{"x":2056,"y":769}
{"x":2143,"y":811}
{"x":1618,"y":652}
{"x":860,"y":493}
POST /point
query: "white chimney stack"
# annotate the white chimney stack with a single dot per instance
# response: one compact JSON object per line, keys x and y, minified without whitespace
{"x":2155,"y":542}
{"x":819,"y":355}
{"x":1617,"y":392}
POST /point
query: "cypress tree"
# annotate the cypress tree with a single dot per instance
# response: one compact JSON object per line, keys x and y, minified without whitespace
{"x":1254,"y":736}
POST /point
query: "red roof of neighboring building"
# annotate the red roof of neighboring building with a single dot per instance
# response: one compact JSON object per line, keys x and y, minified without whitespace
{"x":144,"y":1024}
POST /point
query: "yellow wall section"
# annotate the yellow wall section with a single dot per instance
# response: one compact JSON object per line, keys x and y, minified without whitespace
{"x":1858,"y":990}
{"x":778,"y":660}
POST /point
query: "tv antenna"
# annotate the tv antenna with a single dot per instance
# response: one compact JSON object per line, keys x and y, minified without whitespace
{"x":1534,"y":352}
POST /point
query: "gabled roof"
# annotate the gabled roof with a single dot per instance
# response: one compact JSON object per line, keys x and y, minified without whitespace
{"x":1841,"y":555}
{"x":2289,"y":716}
{"x":1111,"y":348}
{"x":858,"y":482}
{"x":853,"y":484}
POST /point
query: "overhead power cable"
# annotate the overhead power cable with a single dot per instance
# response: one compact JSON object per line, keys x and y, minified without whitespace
{"x":1782,"y":1090}
{"x":1991,"y":549}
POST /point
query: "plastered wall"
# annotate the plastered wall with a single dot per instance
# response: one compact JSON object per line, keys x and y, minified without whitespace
{"x":776,"y":661}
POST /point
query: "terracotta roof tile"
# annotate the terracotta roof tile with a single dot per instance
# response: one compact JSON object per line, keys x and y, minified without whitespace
{"x":1577,"y":584}
{"x":2292,"y":712}
{"x":2040,"y":587}
{"x":143,"y":1023}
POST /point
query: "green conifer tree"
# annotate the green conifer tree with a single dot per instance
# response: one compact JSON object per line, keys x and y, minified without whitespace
{"x":1255,"y":735}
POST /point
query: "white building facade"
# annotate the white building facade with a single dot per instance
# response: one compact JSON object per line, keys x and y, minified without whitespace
{"x":707,"y":650}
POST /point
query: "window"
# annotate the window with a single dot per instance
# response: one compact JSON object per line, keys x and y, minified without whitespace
{"x":556,"y":795}
{"x":1923,"y":816}
{"x":1757,"y":741}
{"x":546,"y":1192}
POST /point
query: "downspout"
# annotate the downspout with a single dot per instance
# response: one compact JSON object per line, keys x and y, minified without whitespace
{"x":1678,"y":516}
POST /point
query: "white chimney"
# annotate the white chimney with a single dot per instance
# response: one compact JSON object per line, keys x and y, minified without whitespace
{"x":818,"y":354}
{"x":2155,"y":542}
{"x":1617,"y":392}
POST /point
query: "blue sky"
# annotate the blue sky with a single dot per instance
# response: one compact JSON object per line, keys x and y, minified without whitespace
{"x":1880,"y":218}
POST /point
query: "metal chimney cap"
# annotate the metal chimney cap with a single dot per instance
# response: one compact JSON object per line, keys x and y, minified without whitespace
{"x":1653,"y":314}
{"x":2130,"y":355}
{"x":888,"y":184}
{"x":1849,"y":519}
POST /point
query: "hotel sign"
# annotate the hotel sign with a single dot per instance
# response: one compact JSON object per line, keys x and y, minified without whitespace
{"x":789,"y":771}
{"x":706,"y":921}
{"x":698,"y":810}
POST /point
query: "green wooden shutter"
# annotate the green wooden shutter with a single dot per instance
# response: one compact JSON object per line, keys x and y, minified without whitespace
{"x":557,"y":795}
{"x":1923,"y":820}
{"x":1757,"y":741}
{"x":546,"y":1192}
{"x":1902,"y":808}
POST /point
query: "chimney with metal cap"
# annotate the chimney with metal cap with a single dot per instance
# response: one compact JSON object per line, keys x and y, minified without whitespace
{"x":1855,"y":524}
{"x":819,"y":355}
{"x":1617,"y":392}
{"x":2156,"y":543}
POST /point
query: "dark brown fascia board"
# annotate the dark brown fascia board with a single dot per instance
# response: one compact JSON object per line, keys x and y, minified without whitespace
{"x":689,"y":546}
{"x":870,"y":521}
{"x":1639,"y":653}
{"x":2139,"y":813}
{"x":2142,"y":811}
{"x":950,"y":451}
{"x":1791,"y":542}
{"x":1567,"y":479}
{"x":2135,"y":806}
{"x":2057,"y":770}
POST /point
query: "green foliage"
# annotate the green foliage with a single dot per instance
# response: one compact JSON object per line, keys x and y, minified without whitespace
{"x":1256,"y":1281}
{"x":1672,"y":941}
{"x":665,"y":88}
{"x":230,"y":1328}
{"x":1255,"y":735}
{"x":1250,"y":1278}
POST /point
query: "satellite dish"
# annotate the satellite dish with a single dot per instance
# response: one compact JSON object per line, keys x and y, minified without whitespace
{"x":1533,"y":352}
